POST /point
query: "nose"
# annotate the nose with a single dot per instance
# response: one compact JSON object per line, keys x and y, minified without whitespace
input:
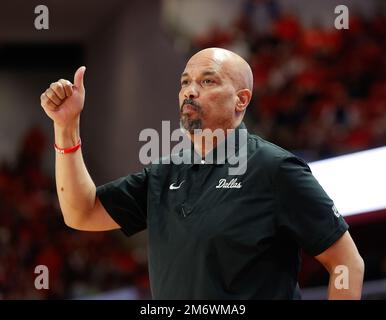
{"x":191,"y":92}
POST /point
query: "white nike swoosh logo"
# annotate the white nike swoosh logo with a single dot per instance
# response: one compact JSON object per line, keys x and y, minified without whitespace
{"x":173,"y":187}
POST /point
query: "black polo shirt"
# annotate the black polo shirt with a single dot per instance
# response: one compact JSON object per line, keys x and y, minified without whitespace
{"x":226,"y":240}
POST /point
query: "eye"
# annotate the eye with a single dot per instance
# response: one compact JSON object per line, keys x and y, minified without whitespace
{"x":184,"y":82}
{"x":207,"y":81}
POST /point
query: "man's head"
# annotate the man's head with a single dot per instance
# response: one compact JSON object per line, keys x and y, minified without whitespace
{"x":216,"y":88}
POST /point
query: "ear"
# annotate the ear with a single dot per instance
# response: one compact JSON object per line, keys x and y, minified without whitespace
{"x":243,"y":98}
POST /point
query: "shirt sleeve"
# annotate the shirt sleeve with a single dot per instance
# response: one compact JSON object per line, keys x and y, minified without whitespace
{"x":125,"y":199}
{"x":306,"y":211}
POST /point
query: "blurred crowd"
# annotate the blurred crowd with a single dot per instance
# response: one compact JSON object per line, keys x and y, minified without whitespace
{"x":32,"y":233}
{"x":317,"y":92}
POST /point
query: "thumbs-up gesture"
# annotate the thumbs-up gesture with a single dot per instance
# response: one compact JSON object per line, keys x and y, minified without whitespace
{"x":63,"y":101}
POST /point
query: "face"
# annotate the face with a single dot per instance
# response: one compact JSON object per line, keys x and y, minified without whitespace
{"x":207,"y":97}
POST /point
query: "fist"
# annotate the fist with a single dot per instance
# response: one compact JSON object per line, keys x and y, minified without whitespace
{"x":63,"y":101}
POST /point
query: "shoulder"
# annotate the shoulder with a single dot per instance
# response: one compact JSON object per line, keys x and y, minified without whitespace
{"x":271,"y":157}
{"x":267,"y":152}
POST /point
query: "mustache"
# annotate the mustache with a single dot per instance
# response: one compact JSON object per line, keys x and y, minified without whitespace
{"x":192,"y":103}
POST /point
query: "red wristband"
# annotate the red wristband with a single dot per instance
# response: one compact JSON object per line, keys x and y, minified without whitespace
{"x":68,"y":150}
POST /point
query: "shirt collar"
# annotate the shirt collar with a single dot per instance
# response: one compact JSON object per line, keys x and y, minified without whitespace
{"x":231,"y":147}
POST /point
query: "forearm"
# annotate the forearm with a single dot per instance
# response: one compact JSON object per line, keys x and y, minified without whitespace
{"x":75,"y":188}
{"x":346,"y":282}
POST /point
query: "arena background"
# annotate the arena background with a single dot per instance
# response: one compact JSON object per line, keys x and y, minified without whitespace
{"x":319,"y":92}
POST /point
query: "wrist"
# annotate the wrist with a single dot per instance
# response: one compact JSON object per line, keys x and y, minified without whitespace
{"x":68,"y":150}
{"x":67,"y":136}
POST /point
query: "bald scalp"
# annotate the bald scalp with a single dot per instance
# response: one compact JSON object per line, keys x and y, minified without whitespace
{"x":234,"y":66}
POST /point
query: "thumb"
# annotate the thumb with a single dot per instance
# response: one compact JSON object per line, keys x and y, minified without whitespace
{"x":78,"y":77}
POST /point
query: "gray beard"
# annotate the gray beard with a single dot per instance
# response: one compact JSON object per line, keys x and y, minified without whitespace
{"x":190,"y":125}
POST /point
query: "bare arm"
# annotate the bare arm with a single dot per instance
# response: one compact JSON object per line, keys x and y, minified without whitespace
{"x":63,"y":103}
{"x":346,"y":269}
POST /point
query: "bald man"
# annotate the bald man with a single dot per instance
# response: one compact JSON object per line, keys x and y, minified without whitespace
{"x":211,"y":235}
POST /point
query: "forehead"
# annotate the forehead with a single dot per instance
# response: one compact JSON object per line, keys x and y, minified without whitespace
{"x":202,"y":63}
